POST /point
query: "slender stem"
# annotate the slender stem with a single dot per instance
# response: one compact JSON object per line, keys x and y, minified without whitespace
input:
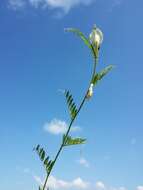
{"x":69,"y":127}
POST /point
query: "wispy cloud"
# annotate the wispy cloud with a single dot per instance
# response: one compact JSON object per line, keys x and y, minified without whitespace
{"x":57,"y":127}
{"x":100,"y":185}
{"x":140,"y":188}
{"x":65,"y":5}
{"x":38,"y":180}
{"x":82,"y":161}
{"x":115,"y":3}
{"x":16,"y":4}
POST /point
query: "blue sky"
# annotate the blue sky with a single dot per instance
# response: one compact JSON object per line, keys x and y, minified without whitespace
{"x":37,"y":58}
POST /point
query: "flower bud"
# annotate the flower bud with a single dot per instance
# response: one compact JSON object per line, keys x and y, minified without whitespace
{"x":90,"y":91}
{"x":96,"y":37}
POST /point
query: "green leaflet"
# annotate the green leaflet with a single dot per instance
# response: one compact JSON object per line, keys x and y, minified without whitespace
{"x":48,"y":164}
{"x":71,"y":104}
{"x":67,"y":141}
{"x":80,"y":34}
{"x":85,"y":40}
{"x":101,"y":74}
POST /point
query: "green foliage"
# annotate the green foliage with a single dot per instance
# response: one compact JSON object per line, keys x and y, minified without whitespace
{"x":84,"y":39}
{"x":45,"y":159}
{"x":40,"y":188}
{"x":71,"y":104}
{"x":80,"y":34}
{"x":101,"y":74}
{"x":68,"y":140}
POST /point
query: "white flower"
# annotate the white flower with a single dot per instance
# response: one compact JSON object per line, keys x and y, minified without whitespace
{"x":96,"y":37}
{"x":90,"y":91}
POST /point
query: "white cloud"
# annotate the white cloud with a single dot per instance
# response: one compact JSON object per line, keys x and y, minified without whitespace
{"x":79,"y":184}
{"x":100,"y":185}
{"x":140,"y":188}
{"x":57,"y":127}
{"x":65,"y":5}
{"x":55,"y":183}
{"x":83,"y":162}
{"x":38,"y":180}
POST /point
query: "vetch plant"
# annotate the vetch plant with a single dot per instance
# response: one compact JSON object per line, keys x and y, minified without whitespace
{"x":93,"y":42}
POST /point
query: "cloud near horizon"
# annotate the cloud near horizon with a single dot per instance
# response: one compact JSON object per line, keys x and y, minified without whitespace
{"x":79,"y":184}
{"x":65,"y":5}
{"x":55,"y":183}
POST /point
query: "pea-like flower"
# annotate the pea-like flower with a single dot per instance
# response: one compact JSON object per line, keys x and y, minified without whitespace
{"x":90,"y":91}
{"x":96,"y":37}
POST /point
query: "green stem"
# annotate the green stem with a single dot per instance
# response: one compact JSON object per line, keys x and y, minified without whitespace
{"x":69,"y":127}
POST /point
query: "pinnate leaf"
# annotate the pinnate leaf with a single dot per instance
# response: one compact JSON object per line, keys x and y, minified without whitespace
{"x":71,"y":104}
{"x":48,"y":164}
{"x":84,"y":39}
{"x":79,"y":34}
{"x":67,"y":141}
{"x":101,"y":74}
